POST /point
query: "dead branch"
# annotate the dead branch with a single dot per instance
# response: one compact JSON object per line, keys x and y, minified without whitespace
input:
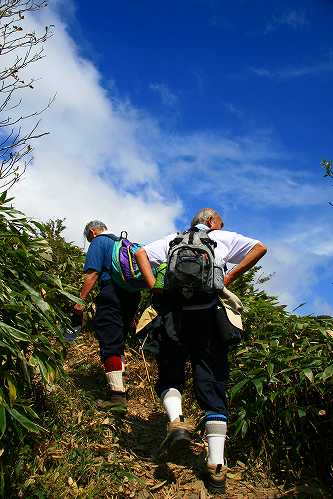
{"x":19,"y":48}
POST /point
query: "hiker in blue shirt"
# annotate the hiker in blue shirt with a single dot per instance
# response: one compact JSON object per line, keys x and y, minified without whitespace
{"x":115,"y":310}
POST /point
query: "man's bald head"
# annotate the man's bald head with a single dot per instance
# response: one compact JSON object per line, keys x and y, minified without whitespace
{"x":209,"y":217}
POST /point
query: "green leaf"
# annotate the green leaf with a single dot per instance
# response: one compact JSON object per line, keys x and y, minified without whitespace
{"x":73,"y":298}
{"x":258,"y":384}
{"x":237,"y":388}
{"x":11,"y":388}
{"x":56,"y":281}
{"x":14,"y":272}
{"x":241,"y":352}
{"x":272,"y":396}
{"x":301,"y":413}
{"x":309,"y":374}
{"x":36,"y":297}
{"x":46,"y":256}
{"x":8,"y":347}
{"x":3,"y":196}
{"x":270,"y":369}
{"x":238,"y":425}
{"x":289,"y":359}
{"x":24,"y":421}
{"x":263,"y":343}
{"x":244,"y":428}
{"x":328,"y":372}
{"x":299,"y":306}
{"x":39,"y":225}
{"x":2,"y":420}
{"x":46,"y":370}
{"x":24,"y":365}
{"x":13,"y":332}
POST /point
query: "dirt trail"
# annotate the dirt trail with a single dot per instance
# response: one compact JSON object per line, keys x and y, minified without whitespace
{"x":141,"y":431}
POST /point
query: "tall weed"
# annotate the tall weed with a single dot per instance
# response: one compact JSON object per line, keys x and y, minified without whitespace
{"x":33,"y":304}
{"x":281,"y":385}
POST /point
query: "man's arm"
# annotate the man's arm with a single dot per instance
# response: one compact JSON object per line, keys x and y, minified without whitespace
{"x":144,"y":265}
{"x":252,"y":257}
{"x":90,"y":279}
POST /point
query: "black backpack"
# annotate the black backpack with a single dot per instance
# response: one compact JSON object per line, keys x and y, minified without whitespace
{"x":191,"y":267}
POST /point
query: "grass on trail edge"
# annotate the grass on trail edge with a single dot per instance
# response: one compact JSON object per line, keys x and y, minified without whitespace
{"x":88,"y":453}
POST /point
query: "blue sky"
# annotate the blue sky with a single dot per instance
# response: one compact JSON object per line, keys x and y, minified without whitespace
{"x":165,"y":107}
{"x":219,"y":65}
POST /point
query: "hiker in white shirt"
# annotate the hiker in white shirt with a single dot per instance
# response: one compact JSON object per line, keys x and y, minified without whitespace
{"x":192,"y":331}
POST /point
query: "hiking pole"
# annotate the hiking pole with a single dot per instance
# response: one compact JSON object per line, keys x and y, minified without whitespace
{"x":148,"y":377}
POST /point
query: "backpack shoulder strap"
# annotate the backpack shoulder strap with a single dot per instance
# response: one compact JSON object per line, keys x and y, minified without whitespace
{"x":114,"y":239}
{"x":200,"y":236}
{"x":180,"y":237}
{"x":110,"y":236}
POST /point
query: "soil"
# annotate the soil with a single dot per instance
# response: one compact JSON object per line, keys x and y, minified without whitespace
{"x":141,"y":431}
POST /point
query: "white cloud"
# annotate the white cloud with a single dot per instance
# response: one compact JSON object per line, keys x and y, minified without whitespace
{"x":106,"y":147}
{"x":249,"y":169}
{"x":324,"y":248}
{"x":293,"y":276}
{"x":233,"y":110}
{"x":168,"y":98}
{"x":94,"y":158}
{"x":295,"y":19}
{"x":298,"y":263}
{"x":275,"y":185}
{"x":291,"y":72}
{"x":105,"y":160}
{"x":322,"y":307}
{"x":315,"y":239}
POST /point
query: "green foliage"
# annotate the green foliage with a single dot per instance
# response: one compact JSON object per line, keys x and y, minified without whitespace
{"x":67,"y":260}
{"x":328,"y":166}
{"x":281,"y":383}
{"x":281,"y":375}
{"x":37,"y":285}
{"x":82,"y":454}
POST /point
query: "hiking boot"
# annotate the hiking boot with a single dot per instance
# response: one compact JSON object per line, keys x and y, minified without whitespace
{"x":178,"y":436}
{"x":117,"y":403}
{"x":215,"y":478}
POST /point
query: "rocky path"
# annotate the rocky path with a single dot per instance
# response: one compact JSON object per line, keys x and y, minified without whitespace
{"x":176,"y":476}
{"x":140,"y":433}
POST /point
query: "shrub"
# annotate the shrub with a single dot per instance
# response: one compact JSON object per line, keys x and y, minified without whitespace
{"x":281,"y":384}
{"x":33,"y":304}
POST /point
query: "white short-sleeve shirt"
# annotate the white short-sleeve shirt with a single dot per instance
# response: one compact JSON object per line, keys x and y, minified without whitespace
{"x":231,"y":247}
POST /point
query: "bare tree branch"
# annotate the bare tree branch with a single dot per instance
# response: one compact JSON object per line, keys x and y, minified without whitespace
{"x":19,"y":49}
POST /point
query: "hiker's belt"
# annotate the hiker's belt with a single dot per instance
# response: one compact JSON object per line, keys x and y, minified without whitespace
{"x":202,"y":306}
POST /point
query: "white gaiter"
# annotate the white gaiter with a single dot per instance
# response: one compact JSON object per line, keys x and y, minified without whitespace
{"x":216,"y":431}
{"x":172,"y":402}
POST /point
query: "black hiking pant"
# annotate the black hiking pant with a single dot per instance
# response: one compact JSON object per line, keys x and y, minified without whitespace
{"x":115,"y":311}
{"x":194,"y":335}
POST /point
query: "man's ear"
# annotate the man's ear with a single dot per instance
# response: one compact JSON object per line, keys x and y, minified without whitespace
{"x":210,"y":222}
